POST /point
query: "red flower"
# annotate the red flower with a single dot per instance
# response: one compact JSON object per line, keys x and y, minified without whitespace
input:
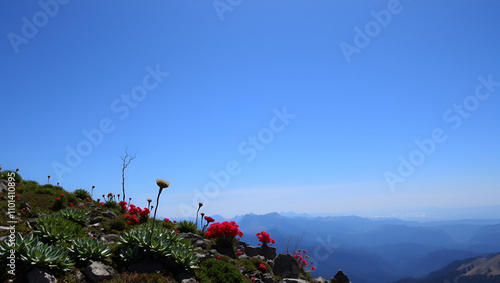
{"x":226,"y":230}
{"x":238,"y":252}
{"x":83,"y":207}
{"x":253,"y":279}
{"x":167,"y":220}
{"x":313,"y":268}
{"x":175,"y":221}
{"x":218,"y":257}
{"x":71,"y":203}
{"x":209,"y":219}
{"x":264,"y":238}
{"x":88,"y":198}
{"x":262,"y":267}
{"x":58,"y":199}
{"x":62,"y":195}
{"x":304,"y":251}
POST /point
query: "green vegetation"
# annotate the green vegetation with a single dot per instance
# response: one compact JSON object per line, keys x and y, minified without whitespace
{"x":53,"y":233}
{"x":81,"y":194}
{"x":217,"y":271}
{"x":186,"y":226}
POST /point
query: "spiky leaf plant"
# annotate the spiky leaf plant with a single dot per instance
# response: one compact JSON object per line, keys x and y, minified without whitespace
{"x":186,"y":226}
{"x":31,"y":252}
{"x":56,"y":229}
{"x":82,"y":250}
{"x":74,"y":215}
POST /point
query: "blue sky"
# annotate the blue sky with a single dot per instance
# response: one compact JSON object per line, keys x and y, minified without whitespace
{"x":257,"y":106}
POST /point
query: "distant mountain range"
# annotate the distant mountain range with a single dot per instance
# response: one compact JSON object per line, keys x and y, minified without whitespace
{"x":477,"y":269}
{"x":381,"y":250}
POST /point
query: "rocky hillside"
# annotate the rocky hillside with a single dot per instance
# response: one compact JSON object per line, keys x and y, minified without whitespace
{"x":49,"y":234}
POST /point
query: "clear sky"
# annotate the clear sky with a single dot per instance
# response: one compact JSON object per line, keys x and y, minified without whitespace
{"x":256,"y":106}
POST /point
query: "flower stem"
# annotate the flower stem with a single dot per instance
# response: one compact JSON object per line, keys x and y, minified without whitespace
{"x":154,"y":218}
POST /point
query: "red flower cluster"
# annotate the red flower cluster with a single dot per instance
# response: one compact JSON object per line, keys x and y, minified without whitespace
{"x":209,"y":219}
{"x":264,"y":238}
{"x":167,"y":220}
{"x":227,"y":230}
{"x":302,"y":260}
{"x":262,"y":267}
{"x":134,"y":209}
{"x":133,"y":217}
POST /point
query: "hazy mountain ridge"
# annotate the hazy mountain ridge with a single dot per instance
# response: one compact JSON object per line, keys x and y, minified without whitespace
{"x":475,"y":269}
{"x":378,"y":250}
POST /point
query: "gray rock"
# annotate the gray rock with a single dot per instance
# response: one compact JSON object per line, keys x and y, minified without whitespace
{"x":183,"y":276}
{"x":252,"y":251}
{"x":265,"y":251}
{"x":109,"y":239}
{"x":293,"y":280}
{"x":192,"y":237}
{"x":79,"y":276}
{"x":340,"y":277}
{"x":97,"y":271}
{"x":319,"y":280}
{"x":146,"y":265}
{"x":96,"y":219}
{"x":4,"y":185}
{"x":201,"y":244}
{"x":268,"y":278}
{"x":40,"y":276}
{"x":109,"y":214}
{"x":190,"y":280}
{"x":286,"y":266}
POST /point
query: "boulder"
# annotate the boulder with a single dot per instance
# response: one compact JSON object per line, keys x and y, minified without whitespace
{"x":286,"y":266}
{"x":40,"y":276}
{"x":319,"y":280}
{"x":97,"y":271}
{"x":340,"y":277}
{"x":265,"y":251}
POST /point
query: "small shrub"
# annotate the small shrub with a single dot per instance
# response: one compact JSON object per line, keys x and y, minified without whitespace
{"x":218,"y":271}
{"x":81,"y":194}
{"x":5,"y":176}
{"x":111,"y":204}
{"x":118,"y":224}
{"x":186,"y":226}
